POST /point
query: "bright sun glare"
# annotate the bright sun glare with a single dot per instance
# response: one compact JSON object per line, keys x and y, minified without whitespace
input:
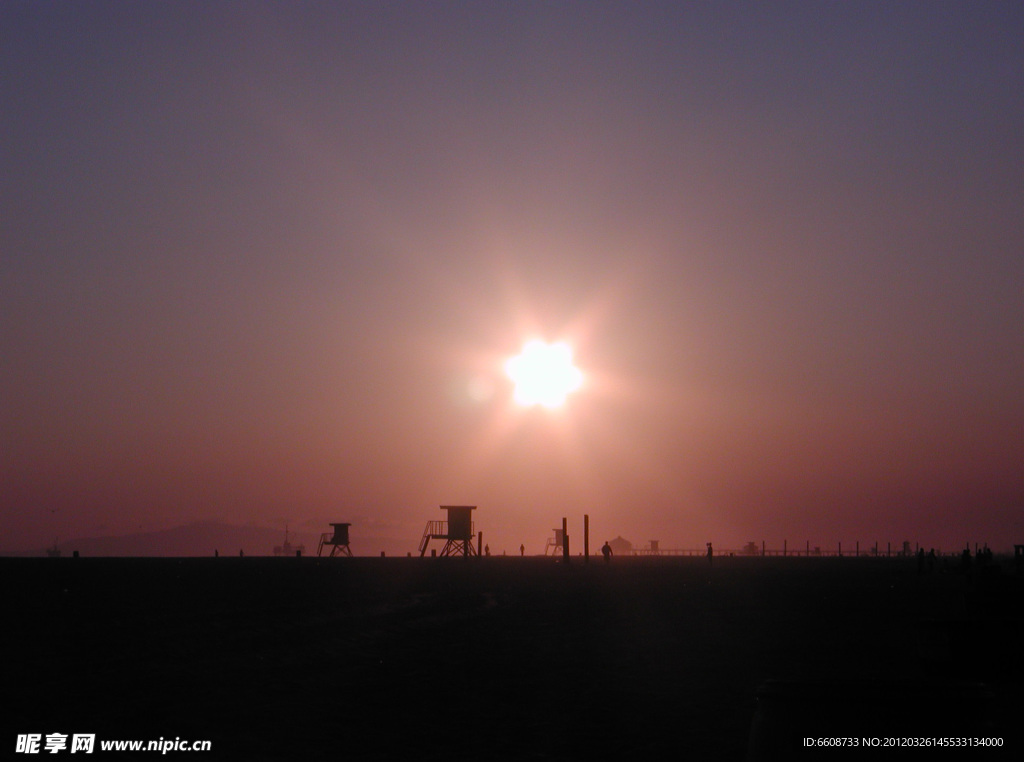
{"x":544,"y":374}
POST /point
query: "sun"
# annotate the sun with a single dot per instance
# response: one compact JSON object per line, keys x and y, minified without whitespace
{"x":544,"y":374}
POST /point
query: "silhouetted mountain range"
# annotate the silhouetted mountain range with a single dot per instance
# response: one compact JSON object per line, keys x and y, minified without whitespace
{"x":206,"y":537}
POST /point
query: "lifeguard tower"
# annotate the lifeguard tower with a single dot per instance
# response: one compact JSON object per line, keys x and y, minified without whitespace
{"x":457,"y":532}
{"x":338,"y":541}
{"x":555,"y":543}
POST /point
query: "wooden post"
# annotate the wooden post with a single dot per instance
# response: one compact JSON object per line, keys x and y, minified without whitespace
{"x":840,"y":550}
{"x":586,"y":538}
{"x":479,"y":544}
{"x":857,"y":552}
{"x":565,"y":539}
{"x":784,"y":543}
{"x":762,"y":548}
{"x":807,"y":552}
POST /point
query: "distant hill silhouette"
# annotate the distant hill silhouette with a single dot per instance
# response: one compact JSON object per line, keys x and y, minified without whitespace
{"x":205,"y":537}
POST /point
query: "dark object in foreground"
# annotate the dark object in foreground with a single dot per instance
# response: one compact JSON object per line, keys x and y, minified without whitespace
{"x":278,"y":658}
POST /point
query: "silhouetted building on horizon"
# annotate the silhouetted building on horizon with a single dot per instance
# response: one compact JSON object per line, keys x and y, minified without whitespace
{"x":287,"y":549}
{"x":338,"y":541}
{"x":457,"y":532}
{"x":621,"y":546}
{"x":556,"y":543}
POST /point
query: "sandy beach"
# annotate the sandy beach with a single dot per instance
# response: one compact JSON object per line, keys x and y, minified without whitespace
{"x":503,"y":658}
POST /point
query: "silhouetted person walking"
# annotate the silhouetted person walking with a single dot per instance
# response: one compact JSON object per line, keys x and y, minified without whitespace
{"x":711,"y":555}
{"x":522,"y":550}
{"x":606,"y":551}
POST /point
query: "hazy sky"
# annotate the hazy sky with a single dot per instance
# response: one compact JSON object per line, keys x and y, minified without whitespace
{"x":263,"y":262}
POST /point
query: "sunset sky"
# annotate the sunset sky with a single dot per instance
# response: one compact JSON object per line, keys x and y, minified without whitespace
{"x":266,"y":262}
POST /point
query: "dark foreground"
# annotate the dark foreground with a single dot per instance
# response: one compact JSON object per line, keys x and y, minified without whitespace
{"x":509,"y":658}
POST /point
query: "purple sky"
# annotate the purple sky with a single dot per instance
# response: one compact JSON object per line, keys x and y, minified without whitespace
{"x":263,"y":262}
